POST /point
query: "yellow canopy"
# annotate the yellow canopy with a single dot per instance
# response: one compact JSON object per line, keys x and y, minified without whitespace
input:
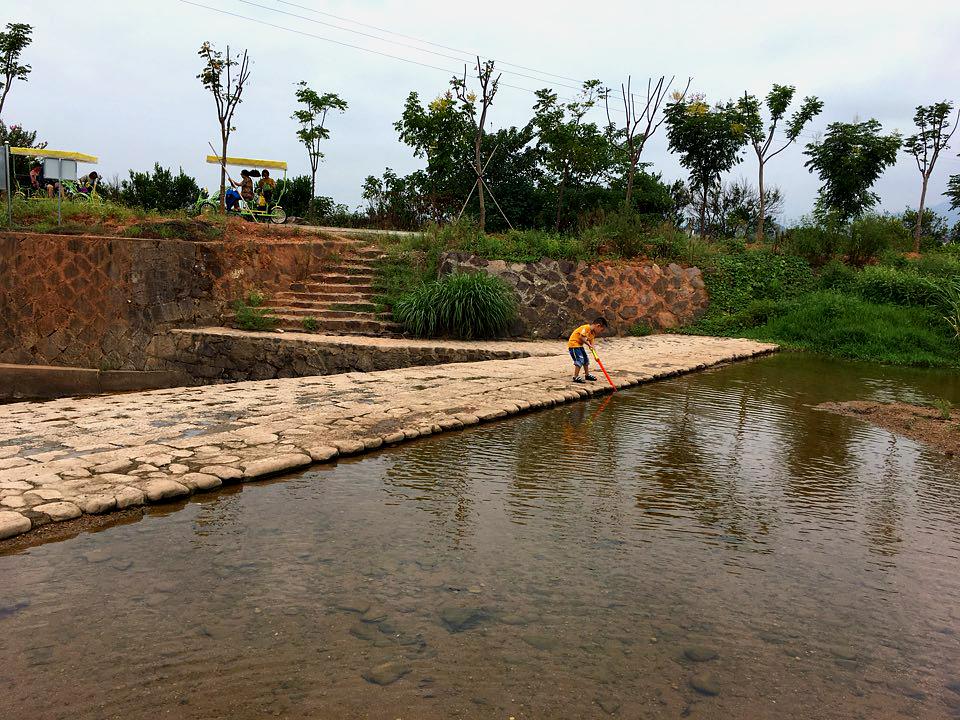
{"x":248,"y":162}
{"x":59,"y":154}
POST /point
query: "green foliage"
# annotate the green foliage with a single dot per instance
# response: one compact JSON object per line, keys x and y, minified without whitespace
{"x":899,"y":287}
{"x":944,"y":408}
{"x":160,"y":190}
{"x":849,"y":160}
{"x":708,"y":140}
{"x":250,"y":315}
{"x":312,"y":117}
{"x":466,"y":305}
{"x":310,"y":324}
{"x":953,"y":194}
{"x":950,"y":301}
{"x":870,"y":235}
{"x":934,"y":229}
{"x":838,"y":276}
{"x":847,"y":327}
{"x":13,"y":41}
{"x":640,"y":330}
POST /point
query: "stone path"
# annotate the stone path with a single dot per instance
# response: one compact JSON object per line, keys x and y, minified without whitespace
{"x":66,"y":457}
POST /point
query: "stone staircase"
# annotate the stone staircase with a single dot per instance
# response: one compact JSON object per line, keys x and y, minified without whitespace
{"x":339,"y":299}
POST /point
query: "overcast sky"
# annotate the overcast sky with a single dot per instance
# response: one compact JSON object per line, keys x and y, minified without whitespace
{"x":117,"y":78}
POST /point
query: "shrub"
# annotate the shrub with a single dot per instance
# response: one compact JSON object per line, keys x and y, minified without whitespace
{"x":835,"y":275}
{"x":160,"y":190}
{"x":250,"y":315}
{"x":871,"y":235}
{"x":310,"y":324}
{"x":815,"y":244}
{"x":940,"y":265}
{"x":640,"y":330}
{"x":759,"y":312}
{"x":899,"y":287}
{"x":949,"y":297}
{"x":944,"y":408}
{"x":465,"y":305}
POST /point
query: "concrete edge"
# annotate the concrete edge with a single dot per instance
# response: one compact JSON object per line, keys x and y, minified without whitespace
{"x":181,"y":486}
{"x":46,"y":382}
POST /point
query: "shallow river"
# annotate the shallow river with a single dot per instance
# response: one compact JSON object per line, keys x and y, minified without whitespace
{"x":709,"y":546}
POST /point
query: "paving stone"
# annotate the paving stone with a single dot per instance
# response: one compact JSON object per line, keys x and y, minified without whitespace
{"x":59,"y":511}
{"x":163,"y":489}
{"x":13,"y":523}
{"x":13,"y":501}
{"x":15,"y":485}
{"x":323,"y":453}
{"x":178,"y":468}
{"x":97,"y":504}
{"x":113,"y":467}
{"x":45,"y":493}
{"x":201,"y":482}
{"x":273,"y":465}
{"x":224,"y":472}
{"x":129,"y":497}
{"x":350,"y":447}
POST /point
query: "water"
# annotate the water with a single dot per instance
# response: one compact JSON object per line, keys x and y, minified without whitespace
{"x":559,"y":565}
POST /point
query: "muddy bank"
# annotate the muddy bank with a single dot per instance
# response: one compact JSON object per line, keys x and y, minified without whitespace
{"x":917,"y":422}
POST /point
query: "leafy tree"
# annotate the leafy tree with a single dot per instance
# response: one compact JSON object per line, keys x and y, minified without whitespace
{"x":13,"y":41}
{"x":226,"y":79}
{"x":709,"y":141}
{"x":440,"y":133}
{"x":953,"y":191}
{"x":161,"y":190}
{"x":631,"y":138}
{"x":933,"y":124}
{"x":18,"y":136}
{"x":468,"y":105}
{"x":312,"y":118}
{"x":932,"y":225}
{"x":849,"y":160}
{"x":571,"y":151}
{"x":762,"y":137}
{"x":734,"y":209}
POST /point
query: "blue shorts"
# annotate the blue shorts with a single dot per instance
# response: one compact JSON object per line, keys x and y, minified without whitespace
{"x":579,"y":356}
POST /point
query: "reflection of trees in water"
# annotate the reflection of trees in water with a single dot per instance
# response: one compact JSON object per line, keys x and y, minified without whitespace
{"x":884,"y":512}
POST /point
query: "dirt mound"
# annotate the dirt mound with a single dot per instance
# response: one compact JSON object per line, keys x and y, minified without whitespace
{"x":938,"y":427}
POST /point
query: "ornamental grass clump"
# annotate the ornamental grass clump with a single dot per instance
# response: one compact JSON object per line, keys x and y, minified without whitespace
{"x":465,"y":305}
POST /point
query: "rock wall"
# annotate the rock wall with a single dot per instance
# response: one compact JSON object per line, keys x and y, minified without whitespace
{"x":226,"y":355}
{"x":556,"y":295}
{"x":99,"y":302}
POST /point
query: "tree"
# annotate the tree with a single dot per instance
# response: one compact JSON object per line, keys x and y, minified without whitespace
{"x":468,"y":105}
{"x":312,"y":118}
{"x":932,"y":225}
{"x":762,"y":137}
{"x":13,"y":41}
{"x":226,"y":95}
{"x":953,"y":192}
{"x":734,"y":209}
{"x":440,"y":133}
{"x":632,"y":139}
{"x":933,"y":123}
{"x":709,"y":141}
{"x":849,"y":160}
{"x":571,"y":150}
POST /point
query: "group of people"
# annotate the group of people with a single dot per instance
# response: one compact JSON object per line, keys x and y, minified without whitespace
{"x":86,"y":184}
{"x":260,"y":196}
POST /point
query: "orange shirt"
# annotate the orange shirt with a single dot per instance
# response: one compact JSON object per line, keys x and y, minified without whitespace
{"x":581,"y":334}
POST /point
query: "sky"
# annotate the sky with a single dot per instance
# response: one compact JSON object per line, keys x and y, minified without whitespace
{"x":117,"y":79}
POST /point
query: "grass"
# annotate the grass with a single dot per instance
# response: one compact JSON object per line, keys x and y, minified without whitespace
{"x":310,"y":324}
{"x":250,"y":315}
{"x":464,"y":305}
{"x":944,"y":408}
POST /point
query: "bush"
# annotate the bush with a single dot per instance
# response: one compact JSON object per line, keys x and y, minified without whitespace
{"x":162,"y":190}
{"x":835,"y":275}
{"x":640,"y":330}
{"x":884,"y":285}
{"x":871,"y":235}
{"x":249,"y":315}
{"x":465,"y":305}
{"x":815,"y":244}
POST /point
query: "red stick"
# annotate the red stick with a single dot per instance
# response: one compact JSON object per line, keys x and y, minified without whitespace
{"x":607,"y":376}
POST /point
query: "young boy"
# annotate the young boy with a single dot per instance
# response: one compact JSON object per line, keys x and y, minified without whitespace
{"x":584,"y":335}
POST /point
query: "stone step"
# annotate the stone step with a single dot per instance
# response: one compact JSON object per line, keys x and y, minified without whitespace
{"x":333,"y":287}
{"x":323,"y":297}
{"x":318,"y":312}
{"x":333,"y":278}
{"x":342,"y":326}
{"x":326,"y":305}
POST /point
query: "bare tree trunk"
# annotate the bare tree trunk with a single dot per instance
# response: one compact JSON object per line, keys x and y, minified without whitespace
{"x":223,"y":172}
{"x":483,"y":209}
{"x":763,"y":208}
{"x":703,"y":213}
{"x":313,"y":183}
{"x":563,"y":186}
{"x":630,"y":173}
{"x":918,"y":228}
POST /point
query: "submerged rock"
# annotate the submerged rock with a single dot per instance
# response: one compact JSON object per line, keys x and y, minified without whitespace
{"x":458,"y":619}
{"x":705,"y":683}
{"x":541,"y":642}
{"x":610,"y":705}
{"x":700,"y":653}
{"x":356,"y":605}
{"x":386,"y":673}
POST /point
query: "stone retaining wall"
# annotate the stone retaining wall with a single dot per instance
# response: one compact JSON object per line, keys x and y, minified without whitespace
{"x":209,"y":356}
{"x":556,"y":295}
{"x":99,"y":302}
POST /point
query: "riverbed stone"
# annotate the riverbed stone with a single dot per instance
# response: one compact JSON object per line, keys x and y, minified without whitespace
{"x":386,"y":673}
{"x":541,"y":641}
{"x":458,"y":619}
{"x":59,"y":511}
{"x":700,"y":653}
{"x":163,"y":489}
{"x":274,"y":465}
{"x":201,"y":482}
{"x":12,"y":523}
{"x":705,"y":683}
